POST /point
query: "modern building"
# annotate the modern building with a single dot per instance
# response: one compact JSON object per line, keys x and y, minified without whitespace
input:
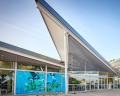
{"x":81,"y":67}
{"x":26,"y":72}
{"x":85,"y":68}
{"x":115,"y":63}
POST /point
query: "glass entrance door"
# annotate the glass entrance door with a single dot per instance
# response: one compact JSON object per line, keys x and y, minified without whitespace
{"x":88,"y":86}
{"x":96,"y":84}
{"x":92,"y":85}
{"x":118,"y":83}
{"x":110,"y":83}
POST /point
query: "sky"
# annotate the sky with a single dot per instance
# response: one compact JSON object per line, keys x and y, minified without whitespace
{"x":97,"y":21}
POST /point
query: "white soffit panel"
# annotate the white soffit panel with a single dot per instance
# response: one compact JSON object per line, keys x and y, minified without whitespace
{"x":56,"y":31}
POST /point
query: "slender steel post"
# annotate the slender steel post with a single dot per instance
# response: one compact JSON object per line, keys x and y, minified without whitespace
{"x":85,"y":75}
{"x":15,"y":78}
{"x":98,"y":80}
{"x":46,"y":79}
{"x":113,"y":82}
{"x":66,"y":61}
{"x":107,"y":81}
{"x":103,"y":82}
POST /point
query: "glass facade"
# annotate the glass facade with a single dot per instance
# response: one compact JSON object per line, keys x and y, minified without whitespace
{"x":86,"y":72}
{"x":6,"y":82}
{"x":29,"y":79}
{"x":6,"y":77}
{"x":21,"y":78}
{"x":88,"y":81}
{"x":7,"y":64}
{"x":24,"y":66}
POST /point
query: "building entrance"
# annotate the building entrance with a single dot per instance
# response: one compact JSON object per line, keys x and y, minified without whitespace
{"x":92,"y":81}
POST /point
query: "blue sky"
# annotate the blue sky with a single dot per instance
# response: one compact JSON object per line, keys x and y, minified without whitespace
{"x":98,"y":21}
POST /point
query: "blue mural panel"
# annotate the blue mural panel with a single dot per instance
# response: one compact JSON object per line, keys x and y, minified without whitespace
{"x":55,"y":82}
{"x":30,"y":82}
{"x":63,"y":83}
{"x":34,"y":82}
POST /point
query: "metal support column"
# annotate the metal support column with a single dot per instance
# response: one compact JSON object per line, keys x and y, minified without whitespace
{"x":45,"y":78}
{"x":107,"y":80}
{"x":85,"y":76}
{"x":98,"y":80}
{"x":66,"y":61}
{"x":15,"y":78}
{"x":113,"y":82}
{"x":104,"y":82}
{"x":90,"y":83}
{"x":100,"y":83}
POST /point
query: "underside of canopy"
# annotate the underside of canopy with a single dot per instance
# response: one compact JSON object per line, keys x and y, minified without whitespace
{"x":85,"y":56}
{"x":56,"y":31}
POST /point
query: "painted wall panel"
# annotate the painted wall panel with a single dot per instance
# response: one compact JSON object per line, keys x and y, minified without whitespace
{"x":34,"y":82}
{"x":29,"y":82}
{"x":53,"y":82}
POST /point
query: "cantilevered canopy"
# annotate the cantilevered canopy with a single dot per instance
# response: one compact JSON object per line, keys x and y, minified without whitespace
{"x":83,"y":60}
{"x":57,"y":28}
{"x":13,"y":53}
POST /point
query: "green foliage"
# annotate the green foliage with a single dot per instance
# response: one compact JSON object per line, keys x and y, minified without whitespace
{"x":74,"y":81}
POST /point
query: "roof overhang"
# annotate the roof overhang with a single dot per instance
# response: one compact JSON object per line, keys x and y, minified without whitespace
{"x":10,"y":52}
{"x":57,"y":27}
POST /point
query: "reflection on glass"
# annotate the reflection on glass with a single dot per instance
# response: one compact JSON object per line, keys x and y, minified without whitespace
{"x":6,"y":64}
{"x":30,"y":67}
{"x":6,"y":82}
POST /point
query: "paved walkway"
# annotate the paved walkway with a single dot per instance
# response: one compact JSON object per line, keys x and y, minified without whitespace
{"x":112,"y":92}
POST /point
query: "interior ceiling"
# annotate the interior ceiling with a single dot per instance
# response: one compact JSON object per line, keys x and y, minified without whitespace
{"x":56,"y":32}
{"x":82,"y":56}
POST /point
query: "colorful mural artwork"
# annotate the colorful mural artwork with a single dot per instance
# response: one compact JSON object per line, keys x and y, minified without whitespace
{"x":29,"y":82}
{"x":55,"y":82}
{"x":34,"y":82}
{"x":63,"y":83}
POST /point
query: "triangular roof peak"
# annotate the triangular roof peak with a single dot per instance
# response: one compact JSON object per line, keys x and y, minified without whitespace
{"x":57,"y":28}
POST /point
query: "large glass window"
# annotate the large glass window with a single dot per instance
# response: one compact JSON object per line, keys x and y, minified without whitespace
{"x":50,"y":69}
{"x":6,"y":64}
{"x":30,"y":67}
{"x":6,"y":82}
